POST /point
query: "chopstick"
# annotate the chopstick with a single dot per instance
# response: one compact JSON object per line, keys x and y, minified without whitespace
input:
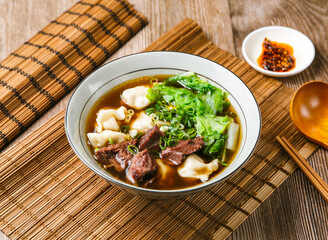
{"x":309,"y":172}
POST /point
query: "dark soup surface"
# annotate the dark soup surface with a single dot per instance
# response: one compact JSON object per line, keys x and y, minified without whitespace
{"x":164,"y":132}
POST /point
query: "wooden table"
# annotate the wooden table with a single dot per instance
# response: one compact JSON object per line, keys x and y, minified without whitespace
{"x":295,"y":210}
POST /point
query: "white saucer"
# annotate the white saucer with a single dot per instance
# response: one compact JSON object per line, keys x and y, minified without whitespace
{"x":304,"y":50}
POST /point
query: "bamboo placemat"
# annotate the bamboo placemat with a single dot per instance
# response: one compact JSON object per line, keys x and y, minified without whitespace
{"x":56,"y":59}
{"x":46,"y":191}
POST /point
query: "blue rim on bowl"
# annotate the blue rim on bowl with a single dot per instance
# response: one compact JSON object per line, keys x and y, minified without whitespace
{"x":154,"y":63}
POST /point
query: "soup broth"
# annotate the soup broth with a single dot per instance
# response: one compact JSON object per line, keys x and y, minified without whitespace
{"x":172,"y":180}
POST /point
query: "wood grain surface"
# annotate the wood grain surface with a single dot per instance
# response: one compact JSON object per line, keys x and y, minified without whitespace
{"x":295,"y":210}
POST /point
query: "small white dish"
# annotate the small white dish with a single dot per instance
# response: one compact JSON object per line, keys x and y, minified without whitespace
{"x":304,"y":50}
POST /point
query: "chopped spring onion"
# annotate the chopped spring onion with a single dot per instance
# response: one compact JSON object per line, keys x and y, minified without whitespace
{"x":171,"y":142}
{"x":154,"y":116}
{"x":138,"y":135}
{"x":110,"y":141}
{"x":133,"y":133}
{"x":183,"y":136}
{"x":128,"y":119}
{"x":164,"y":128}
{"x":162,"y":143}
{"x":130,"y":112}
{"x":191,"y":132}
{"x":224,"y":164}
{"x":125,"y":128}
{"x":96,"y":150}
{"x":153,"y":80}
{"x":167,"y":115}
{"x":150,"y":111}
{"x":133,"y":149}
{"x":161,"y":123}
{"x":190,"y":110}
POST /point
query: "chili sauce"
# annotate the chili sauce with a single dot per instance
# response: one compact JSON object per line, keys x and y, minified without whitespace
{"x":276,"y":57}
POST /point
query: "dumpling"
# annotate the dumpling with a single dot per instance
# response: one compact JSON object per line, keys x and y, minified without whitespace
{"x":142,"y":123}
{"x":165,"y":172}
{"x":136,"y":97}
{"x":102,"y":139}
{"x":194,"y":167}
{"x":107,"y":119}
{"x":164,"y":169}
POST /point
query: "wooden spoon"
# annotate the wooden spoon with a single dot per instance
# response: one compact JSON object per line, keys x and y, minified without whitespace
{"x":309,"y":111}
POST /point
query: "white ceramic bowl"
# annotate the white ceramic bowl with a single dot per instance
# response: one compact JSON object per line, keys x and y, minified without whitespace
{"x":152,"y":63}
{"x":303,"y":48}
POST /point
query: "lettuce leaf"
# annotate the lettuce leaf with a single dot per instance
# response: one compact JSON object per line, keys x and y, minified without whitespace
{"x":211,"y":100}
{"x":213,"y":130}
{"x":191,"y":81}
{"x":208,"y":125}
{"x":168,"y":93}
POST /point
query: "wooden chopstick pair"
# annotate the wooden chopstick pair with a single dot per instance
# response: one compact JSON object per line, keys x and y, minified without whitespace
{"x":309,"y":172}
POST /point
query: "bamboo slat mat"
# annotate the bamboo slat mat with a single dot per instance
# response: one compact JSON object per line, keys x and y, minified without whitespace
{"x":46,"y":191}
{"x":56,"y":59}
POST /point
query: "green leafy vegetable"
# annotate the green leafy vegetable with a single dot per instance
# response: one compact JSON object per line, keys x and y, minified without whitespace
{"x":211,"y":124}
{"x":212,"y":102}
{"x":191,"y":81}
{"x":213,"y":129}
{"x":199,"y":106}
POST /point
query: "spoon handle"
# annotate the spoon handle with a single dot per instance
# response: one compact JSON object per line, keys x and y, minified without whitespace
{"x":309,"y":172}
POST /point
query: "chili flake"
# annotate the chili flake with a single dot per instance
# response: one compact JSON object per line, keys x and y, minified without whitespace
{"x":276,"y":57}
